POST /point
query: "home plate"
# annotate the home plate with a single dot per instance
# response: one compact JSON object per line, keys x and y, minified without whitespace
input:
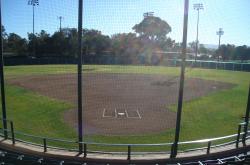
{"x":120,"y":113}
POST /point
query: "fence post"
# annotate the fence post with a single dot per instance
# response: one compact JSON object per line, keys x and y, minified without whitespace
{"x":246,"y":123}
{"x":44,"y":145}
{"x":2,"y":81}
{"x":129,"y":152}
{"x":173,"y":150}
{"x":238,"y":136}
{"x":12,"y":132}
{"x":208,"y":147}
{"x":79,"y":76}
{"x":85,"y":150}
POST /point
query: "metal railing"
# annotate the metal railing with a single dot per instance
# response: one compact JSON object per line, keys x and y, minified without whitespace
{"x":210,"y":143}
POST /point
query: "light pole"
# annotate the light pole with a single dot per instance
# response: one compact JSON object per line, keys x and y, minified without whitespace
{"x":198,"y":7}
{"x":33,"y":3}
{"x":219,"y":33}
{"x":60,"y":20}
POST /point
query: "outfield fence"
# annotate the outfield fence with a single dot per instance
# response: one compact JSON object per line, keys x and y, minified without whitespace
{"x":114,"y":60}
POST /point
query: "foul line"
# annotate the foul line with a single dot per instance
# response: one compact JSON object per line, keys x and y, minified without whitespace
{"x":115,"y":113}
{"x":134,"y":117}
{"x":104,"y":112}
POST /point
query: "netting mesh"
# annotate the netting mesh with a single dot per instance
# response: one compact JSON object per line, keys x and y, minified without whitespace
{"x":131,"y":65}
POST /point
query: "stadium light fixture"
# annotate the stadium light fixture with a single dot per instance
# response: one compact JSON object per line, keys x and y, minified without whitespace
{"x":148,"y":14}
{"x":219,"y":33}
{"x":198,"y":7}
{"x":33,"y":3}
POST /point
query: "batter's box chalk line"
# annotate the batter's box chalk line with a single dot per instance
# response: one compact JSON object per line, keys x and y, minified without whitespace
{"x":124,"y":113}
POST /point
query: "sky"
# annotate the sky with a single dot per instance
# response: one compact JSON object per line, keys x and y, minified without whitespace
{"x":119,"y":16}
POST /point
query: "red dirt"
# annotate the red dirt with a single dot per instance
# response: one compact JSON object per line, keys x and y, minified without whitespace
{"x":149,"y":94}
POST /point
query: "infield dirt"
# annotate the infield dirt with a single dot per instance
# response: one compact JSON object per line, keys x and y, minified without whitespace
{"x":117,"y":104}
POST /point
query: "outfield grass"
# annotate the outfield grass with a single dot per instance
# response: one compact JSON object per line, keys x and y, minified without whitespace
{"x":214,"y":115}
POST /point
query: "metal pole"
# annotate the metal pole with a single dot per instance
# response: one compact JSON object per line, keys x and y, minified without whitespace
{"x":44,"y":145}
{"x":34,"y":44}
{"x":219,"y":50}
{"x":197,"y":34}
{"x":2,"y":78}
{"x":33,"y":19}
{"x":129,"y":152}
{"x":60,"y":24}
{"x":219,"y":33}
{"x":12,"y":132}
{"x":247,"y":117}
{"x":182,"y":78}
{"x":238,"y":136}
{"x":79,"y":67}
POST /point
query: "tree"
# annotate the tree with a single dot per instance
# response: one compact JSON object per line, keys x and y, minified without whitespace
{"x":64,"y":43}
{"x":192,"y":45}
{"x":226,"y":52}
{"x":152,"y":28}
{"x":16,"y":44}
{"x":242,"y":53}
{"x":203,"y":49}
{"x":95,"y":42}
{"x":5,"y":37}
{"x":43,"y":45}
{"x":126,"y":44}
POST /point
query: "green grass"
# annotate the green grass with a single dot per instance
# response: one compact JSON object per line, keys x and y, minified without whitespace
{"x":216,"y":114}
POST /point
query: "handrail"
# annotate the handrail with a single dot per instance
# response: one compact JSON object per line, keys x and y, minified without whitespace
{"x":211,"y":139}
{"x":126,"y":144}
{"x":208,"y":141}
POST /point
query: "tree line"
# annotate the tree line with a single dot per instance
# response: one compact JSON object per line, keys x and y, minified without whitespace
{"x":144,"y":45}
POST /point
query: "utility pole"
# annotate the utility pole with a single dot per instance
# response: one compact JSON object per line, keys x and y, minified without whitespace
{"x":198,"y":7}
{"x":219,"y":33}
{"x":60,"y":20}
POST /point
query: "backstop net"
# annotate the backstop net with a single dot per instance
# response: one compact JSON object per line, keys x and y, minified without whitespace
{"x":130,"y":78}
